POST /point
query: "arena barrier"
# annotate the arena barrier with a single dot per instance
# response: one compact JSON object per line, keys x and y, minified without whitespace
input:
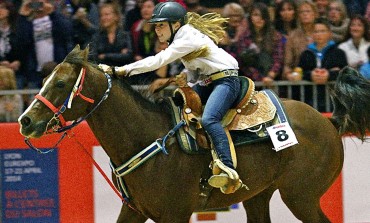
{"x":63,"y":186}
{"x":297,"y":90}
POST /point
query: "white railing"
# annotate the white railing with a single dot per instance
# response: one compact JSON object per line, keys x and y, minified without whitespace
{"x":281,"y":88}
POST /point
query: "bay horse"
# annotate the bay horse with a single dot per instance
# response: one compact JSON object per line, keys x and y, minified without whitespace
{"x":166,"y":188}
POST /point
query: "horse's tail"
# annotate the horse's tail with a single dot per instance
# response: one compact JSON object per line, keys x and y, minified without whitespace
{"x":351,"y":100}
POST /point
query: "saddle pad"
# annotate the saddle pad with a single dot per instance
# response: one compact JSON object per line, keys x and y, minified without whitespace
{"x":239,"y":137}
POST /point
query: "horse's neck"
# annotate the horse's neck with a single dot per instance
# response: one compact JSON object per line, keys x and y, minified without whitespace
{"x":124,"y":124}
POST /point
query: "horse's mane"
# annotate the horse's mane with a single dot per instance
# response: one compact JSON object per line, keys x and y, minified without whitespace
{"x":142,"y":97}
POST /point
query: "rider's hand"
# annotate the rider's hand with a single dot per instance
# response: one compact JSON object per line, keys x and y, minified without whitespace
{"x":181,"y":80}
{"x":107,"y":69}
{"x":119,"y":71}
{"x":158,"y":83}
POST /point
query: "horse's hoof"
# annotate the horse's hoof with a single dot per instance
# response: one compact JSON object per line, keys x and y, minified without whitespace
{"x":219,"y":180}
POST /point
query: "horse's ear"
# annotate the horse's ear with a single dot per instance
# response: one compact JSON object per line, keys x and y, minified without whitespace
{"x":85,"y":52}
{"x":77,"y":48}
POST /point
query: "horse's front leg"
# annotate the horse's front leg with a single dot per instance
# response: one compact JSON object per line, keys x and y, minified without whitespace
{"x":129,"y":215}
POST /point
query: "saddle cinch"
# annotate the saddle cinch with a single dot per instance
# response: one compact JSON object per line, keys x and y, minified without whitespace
{"x":244,"y":123}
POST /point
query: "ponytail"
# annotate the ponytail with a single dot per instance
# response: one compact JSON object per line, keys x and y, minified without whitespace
{"x":210,"y":24}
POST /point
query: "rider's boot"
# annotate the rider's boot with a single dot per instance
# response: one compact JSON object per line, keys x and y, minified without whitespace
{"x":225,"y":178}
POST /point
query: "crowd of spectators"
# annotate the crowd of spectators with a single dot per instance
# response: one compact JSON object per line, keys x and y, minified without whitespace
{"x":271,"y":39}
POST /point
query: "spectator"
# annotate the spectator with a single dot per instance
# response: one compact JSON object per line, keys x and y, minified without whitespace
{"x":144,"y":40}
{"x":235,"y":13}
{"x":365,"y":68}
{"x":10,"y":54}
{"x":44,"y":33}
{"x":111,"y":44}
{"x":11,"y":106}
{"x":321,"y":61}
{"x":133,"y":15}
{"x":299,"y":38}
{"x":322,"y":7}
{"x":195,"y":6}
{"x":127,"y":5}
{"x":143,"y":34}
{"x":260,"y":48}
{"x":247,"y":5}
{"x":85,"y":20}
{"x":337,"y":16}
{"x":356,"y":42}
{"x":367,"y":13}
{"x":286,"y":17}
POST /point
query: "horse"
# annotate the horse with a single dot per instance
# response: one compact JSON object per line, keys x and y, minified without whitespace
{"x":166,"y":188}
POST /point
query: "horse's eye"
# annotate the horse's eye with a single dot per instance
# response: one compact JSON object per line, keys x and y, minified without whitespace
{"x":60,"y":84}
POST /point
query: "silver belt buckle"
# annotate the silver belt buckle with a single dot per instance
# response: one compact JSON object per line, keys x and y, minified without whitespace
{"x":230,"y":73}
{"x":227,"y":73}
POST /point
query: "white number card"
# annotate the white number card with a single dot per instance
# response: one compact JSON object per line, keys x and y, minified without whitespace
{"x":282,"y":136}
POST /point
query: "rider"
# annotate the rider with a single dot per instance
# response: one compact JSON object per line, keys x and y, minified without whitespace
{"x":193,"y":39}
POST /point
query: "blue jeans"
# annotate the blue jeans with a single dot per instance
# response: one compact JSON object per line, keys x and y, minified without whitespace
{"x":218,"y":97}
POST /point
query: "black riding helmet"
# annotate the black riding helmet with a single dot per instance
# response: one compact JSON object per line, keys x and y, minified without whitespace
{"x":168,"y":12}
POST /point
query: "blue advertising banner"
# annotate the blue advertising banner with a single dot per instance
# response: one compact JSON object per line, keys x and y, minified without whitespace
{"x":29,"y":186}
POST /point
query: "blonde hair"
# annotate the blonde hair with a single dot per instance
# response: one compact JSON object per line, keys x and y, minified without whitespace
{"x":210,"y":24}
{"x":342,"y":7}
{"x":233,"y":8}
{"x":311,"y":4}
{"x":116,"y":10}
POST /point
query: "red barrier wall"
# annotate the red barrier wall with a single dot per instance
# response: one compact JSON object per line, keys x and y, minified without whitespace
{"x":75,"y":168}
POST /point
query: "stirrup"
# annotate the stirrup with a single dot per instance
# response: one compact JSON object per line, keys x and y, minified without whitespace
{"x":218,"y":181}
{"x":232,"y":187}
{"x":219,"y":167}
{"x":226,"y":185}
{"x":222,"y":178}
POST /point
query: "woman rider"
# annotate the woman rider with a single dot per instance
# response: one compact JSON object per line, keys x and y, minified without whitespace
{"x":193,"y":39}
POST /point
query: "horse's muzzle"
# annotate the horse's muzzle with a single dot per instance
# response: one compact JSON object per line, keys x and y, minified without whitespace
{"x":31,"y":129}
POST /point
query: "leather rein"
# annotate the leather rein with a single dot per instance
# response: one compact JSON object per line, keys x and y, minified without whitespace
{"x":61,"y":125}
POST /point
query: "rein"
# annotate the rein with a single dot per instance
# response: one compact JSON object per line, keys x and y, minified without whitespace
{"x":168,"y":82}
{"x":60,"y":125}
{"x":76,"y":91}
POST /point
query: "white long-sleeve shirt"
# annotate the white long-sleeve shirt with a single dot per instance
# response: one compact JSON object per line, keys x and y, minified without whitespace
{"x":355,"y":56}
{"x":187,"y":40}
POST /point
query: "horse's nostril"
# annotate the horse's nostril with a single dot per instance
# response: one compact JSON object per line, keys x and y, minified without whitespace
{"x":26,"y":121}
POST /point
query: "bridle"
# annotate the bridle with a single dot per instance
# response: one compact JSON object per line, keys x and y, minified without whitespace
{"x":60,"y":123}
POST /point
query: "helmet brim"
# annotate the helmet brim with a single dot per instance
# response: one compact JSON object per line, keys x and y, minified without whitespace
{"x":155,"y":20}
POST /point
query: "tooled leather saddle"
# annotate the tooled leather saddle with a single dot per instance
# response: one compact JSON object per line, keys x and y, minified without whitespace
{"x":245,"y":122}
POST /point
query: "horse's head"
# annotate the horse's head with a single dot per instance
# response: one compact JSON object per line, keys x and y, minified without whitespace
{"x":55,"y":97}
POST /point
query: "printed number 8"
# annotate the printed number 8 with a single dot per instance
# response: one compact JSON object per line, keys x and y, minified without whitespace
{"x":281,"y":135}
